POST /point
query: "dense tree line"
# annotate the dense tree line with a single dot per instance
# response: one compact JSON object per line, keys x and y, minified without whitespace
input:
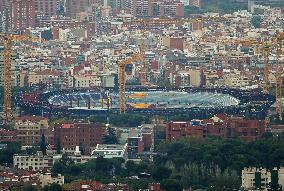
{"x":213,"y":163}
{"x":118,"y":120}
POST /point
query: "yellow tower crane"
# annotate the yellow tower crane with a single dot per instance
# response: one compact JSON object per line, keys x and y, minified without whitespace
{"x":122,"y":80}
{"x":278,"y":75}
{"x":7,"y":40}
{"x":266,"y":69}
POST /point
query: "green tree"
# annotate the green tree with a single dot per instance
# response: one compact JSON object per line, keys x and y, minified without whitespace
{"x":29,"y":188}
{"x":171,"y":184}
{"x":63,"y":165}
{"x":52,"y":187}
{"x":159,"y":173}
{"x":58,"y":146}
{"x":110,"y":137}
{"x":43,"y":144}
{"x":32,"y":150}
{"x":7,"y":126}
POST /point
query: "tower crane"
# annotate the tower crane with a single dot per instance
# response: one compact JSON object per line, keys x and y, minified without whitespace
{"x":122,"y":81}
{"x":266,"y":69}
{"x":278,"y":75}
{"x":7,"y":40}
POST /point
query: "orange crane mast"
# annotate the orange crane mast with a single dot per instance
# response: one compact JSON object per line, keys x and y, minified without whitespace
{"x":7,"y":40}
{"x":278,"y":104}
{"x":122,"y":80}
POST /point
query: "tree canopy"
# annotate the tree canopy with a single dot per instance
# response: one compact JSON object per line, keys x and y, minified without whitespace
{"x":212,"y":163}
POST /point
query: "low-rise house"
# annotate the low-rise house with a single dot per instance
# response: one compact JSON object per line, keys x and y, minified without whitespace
{"x":48,"y":178}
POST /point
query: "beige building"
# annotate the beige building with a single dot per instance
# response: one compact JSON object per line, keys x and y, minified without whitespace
{"x":36,"y":78}
{"x":211,"y":78}
{"x":235,"y":80}
{"x":195,"y":77}
{"x":87,"y":81}
{"x":48,"y":178}
{"x":254,"y":179}
{"x":30,"y":129}
{"x":40,"y":162}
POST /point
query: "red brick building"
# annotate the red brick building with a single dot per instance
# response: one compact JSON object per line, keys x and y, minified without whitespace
{"x":155,"y":187}
{"x":23,"y":14}
{"x":8,"y":135}
{"x":46,"y":8}
{"x":86,"y":135}
{"x":176,"y":43}
{"x":246,"y":129}
{"x":224,"y":126}
{"x":135,"y":144}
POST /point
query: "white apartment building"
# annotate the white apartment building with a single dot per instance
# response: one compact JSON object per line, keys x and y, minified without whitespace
{"x":39,"y":162}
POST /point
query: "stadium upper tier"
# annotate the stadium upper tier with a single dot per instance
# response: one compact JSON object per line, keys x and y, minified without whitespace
{"x":155,"y":99}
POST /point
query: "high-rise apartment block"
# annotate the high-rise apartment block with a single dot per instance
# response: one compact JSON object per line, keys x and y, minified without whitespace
{"x":74,"y":7}
{"x":17,"y":15}
{"x":45,"y":9}
{"x":149,"y":8}
{"x":23,"y":14}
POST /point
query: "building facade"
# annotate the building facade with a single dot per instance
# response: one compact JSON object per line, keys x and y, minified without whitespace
{"x":135,"y":144}
{"x":195,"y":3}
{"x":110,"y":151}
{"x":85,"y":135}
{"x":262,"y":179}
{"x":30,"y":129}
{"x":48,"y":178}
{"x":23,"y":14}
{"x":224,"y":126}
{"x":74,"y":7}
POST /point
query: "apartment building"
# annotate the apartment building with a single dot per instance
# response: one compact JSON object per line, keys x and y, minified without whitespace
{"x":48,"y":179}
{"x":38,"y":161}
{"x":33,"y":162}
{"x":85,"y":135}
{"x":73,"y":7}
{"x":195,"y":3}
{"x":135,"y":144}
{"x":235,"y":80}
{"x":225,"y":126}
{"x":87,"y":81}
{"x":23,"y":14}
{"x":46,"y":8}
{"x":30,"y":129}
{"x":262,"y":179}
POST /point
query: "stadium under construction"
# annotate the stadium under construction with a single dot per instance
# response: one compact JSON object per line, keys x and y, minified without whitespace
{"x":197,"y":102}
